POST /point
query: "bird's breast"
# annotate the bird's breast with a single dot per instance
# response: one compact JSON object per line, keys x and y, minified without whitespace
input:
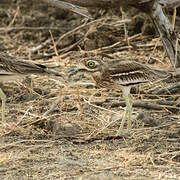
{"x":102,"y":80}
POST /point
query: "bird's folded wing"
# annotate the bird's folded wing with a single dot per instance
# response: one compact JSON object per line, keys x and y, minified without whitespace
{"x":131,"y":72}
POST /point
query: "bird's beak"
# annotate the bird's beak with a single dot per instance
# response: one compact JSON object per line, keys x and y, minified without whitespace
{"x":76,"y":70}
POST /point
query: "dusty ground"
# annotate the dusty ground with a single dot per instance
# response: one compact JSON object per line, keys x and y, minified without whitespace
{"x":77,"y":139}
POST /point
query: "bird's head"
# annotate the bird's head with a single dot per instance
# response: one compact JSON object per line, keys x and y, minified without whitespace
{"x":88,"y":65}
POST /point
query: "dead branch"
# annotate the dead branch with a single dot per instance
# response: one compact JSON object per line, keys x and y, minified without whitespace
{"x":68,"y":7}
{"x":153,"y":9}
{"x":159,"y":105}
{"x":172,"y":88}
{"x":115,"y":3}
{"x":168,"y":36}
{"x":170,"y":3}
{"x":94,"y":3}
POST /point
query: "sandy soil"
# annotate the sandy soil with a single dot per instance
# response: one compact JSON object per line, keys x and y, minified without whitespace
{"x":77,"y":139}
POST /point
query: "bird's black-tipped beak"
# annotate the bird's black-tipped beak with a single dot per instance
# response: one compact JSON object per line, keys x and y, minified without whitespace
{"x":75,"y":70}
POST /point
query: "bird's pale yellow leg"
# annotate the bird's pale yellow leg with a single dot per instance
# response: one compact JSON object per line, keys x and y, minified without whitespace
{"x":127,"y":115}
{"x":3,"y":98}
{"x":129,"y":107}
{"x":128,"y":110}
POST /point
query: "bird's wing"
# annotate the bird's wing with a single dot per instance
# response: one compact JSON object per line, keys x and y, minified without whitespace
{"x":131,"y":72}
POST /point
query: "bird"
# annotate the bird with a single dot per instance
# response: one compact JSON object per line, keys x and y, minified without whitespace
{"x":12,"y":68}
{"x":119,"y":73}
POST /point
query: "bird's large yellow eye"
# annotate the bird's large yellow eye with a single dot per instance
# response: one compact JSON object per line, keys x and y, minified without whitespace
{"x":91,"y":64}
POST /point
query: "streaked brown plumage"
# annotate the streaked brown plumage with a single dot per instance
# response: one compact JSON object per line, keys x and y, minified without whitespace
{"x":12,"y":69}
{"x":120,"y":73}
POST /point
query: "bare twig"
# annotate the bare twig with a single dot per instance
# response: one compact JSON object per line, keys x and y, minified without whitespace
{"x":54,"y":106}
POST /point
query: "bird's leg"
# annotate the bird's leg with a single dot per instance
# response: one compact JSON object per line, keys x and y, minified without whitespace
{"x":3,"y":98}
{"x":129,"y":109}
{"x":127,"y":115}
{"x":123,"y":119}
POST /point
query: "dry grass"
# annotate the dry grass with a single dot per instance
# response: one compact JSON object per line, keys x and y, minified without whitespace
{"x":77,"y":138}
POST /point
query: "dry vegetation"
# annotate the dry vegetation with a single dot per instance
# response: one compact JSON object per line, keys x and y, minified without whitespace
{"x":58,"y":130}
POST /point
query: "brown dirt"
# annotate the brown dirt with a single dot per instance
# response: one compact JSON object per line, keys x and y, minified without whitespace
{"x":77,"y":139}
